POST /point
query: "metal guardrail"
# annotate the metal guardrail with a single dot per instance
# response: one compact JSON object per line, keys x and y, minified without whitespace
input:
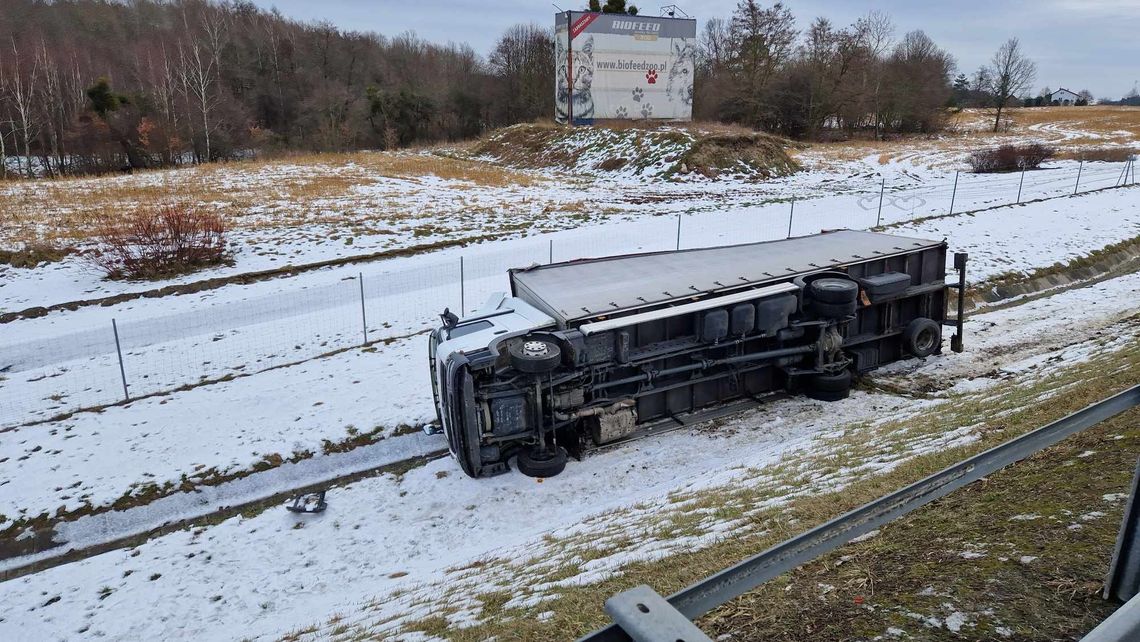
{"x":733,"y":582}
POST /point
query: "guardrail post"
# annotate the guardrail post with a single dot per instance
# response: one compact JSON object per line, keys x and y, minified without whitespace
{"x":119,"y":350}
{"x":1019,"y":185}
{"x":1078,"y":185}
{"x":363,"y":316}
{"x":550,"y":258}
{"x":791,"y":217}
{"x":1123,"y":580}
{"x":645,"y":616}
{"x":882,"y":189}
{"x":462,"y":291}
{"x":678,"y":231}
{"x":954,"y":194}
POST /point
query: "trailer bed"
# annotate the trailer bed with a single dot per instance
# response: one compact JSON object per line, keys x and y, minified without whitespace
{"x":586,"y":289}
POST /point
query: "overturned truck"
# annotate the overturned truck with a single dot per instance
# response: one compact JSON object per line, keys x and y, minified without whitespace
{"x":591,"y":352}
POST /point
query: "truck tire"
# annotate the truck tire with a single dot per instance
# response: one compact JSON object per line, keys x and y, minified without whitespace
{"x":834,"y":310}
{"x":830,"y":387}
{"x":833,"y":290}
{"x":549,"y":463}
{"x":535,"y":356}
{"x":922,"y":337}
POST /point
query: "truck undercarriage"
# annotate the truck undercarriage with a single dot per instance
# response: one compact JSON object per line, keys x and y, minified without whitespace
{"x":557,"y":382}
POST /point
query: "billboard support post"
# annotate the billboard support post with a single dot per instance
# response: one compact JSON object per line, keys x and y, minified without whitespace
{"x":569,"y":70}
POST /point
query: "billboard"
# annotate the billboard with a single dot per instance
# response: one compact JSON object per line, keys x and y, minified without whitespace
{"x":626,"y":67}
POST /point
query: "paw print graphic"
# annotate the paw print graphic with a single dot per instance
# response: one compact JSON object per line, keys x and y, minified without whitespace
{"x":651,"y":76}
{"x":646,"y":110}
{"x":638,"y":92}
{"x":621,"y":111}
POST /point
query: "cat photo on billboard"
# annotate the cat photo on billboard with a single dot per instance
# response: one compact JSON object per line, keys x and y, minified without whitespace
{"x":583,"y":60}
{"x":682,"y":60}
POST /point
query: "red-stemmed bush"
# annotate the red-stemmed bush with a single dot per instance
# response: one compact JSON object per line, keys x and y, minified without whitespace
{"x":158,"y":241}
{"x":1010,"y":158}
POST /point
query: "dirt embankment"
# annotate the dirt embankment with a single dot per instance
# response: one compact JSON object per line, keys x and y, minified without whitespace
{"x":653,"y":152}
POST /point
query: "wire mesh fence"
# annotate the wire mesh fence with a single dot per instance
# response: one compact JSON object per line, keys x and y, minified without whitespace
{"x":127,"y":358}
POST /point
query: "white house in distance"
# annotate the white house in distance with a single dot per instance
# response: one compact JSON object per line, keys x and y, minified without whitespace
{"x":1064,"y":97}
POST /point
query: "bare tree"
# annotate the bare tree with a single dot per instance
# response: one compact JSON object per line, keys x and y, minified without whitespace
{"x":22,"y":94}
{"x":5,"y":123}
{"x":1009,"y":74}
{"x":197,"y":73}
{"x":715,"y":44}
{"x":54,"y":106}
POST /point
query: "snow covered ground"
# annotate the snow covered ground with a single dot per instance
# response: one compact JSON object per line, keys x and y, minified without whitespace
{"x":393,"y":545}
{"x":67,"y":360}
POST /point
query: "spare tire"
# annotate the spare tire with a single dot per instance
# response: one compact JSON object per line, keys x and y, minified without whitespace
{"x":535,"y":356}
{"x":922,"y":337}
{"x":535,"y":463}
{"x":833,"y":290}
{"x":830,"y":387}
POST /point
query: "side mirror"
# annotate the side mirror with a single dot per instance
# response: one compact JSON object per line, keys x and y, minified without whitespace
{"x":450,"y":320}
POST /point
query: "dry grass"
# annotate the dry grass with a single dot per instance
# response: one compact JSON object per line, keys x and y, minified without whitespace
{"x":1071,"y":129}
{"x":282,"y":192}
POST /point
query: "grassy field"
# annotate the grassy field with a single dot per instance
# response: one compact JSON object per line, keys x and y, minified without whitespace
{"x":1075,"y":131}
{"x":378,"y":193}
{"x":361,"y":191}
{"x":1021,"y":555}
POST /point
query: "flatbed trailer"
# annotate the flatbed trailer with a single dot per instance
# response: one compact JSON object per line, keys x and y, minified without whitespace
{"x":589,"y":352}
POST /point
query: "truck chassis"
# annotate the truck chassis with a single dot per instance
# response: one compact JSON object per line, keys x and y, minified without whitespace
{"x":590,"y":353}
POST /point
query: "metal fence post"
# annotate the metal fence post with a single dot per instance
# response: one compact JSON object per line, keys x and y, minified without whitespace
{"x":1078,"y":185}
{"x":954,"y":194}
{"x":1019,"y":185}
{"x":462,"y":290}
{"x":882,"y":189}
{"x":119,"y":350}
{"x":550,"y":258}
{"x":791,"y":216}
{"x":678,"y":231}
{"x":363,"y":316}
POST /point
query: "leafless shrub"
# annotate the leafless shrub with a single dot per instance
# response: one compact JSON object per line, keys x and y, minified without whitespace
{"x":158,"y":241}
{"x":1010,"y":158}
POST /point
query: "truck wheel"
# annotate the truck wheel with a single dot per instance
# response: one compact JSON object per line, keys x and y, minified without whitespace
{"x":536,"y":463}
{"x":922,"y":337}
{"x":834,"y":310}
{"x":830,"y":387}
{"x":833,"y":290}
{"x":535,"y":356}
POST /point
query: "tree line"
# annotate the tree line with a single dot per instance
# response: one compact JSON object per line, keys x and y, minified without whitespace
{"x":757,"y":67}
{"x":104,"y":85}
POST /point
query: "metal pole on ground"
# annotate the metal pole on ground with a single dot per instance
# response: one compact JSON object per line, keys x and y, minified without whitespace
{"x":551,"y":255}
{"x":954,"y":194}
{"x":363,"y":316}
{"x":791,"y":216}
{"x":1019,"y":185}
{"x":678,"y":231}
{"x":1078,"y":185}
{"x":882,"y":189}
{"x":119,"y":350}
{"x":462,"y":291}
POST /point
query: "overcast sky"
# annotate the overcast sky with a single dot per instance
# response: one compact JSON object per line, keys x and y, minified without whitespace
{"x":1077,"y":44}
